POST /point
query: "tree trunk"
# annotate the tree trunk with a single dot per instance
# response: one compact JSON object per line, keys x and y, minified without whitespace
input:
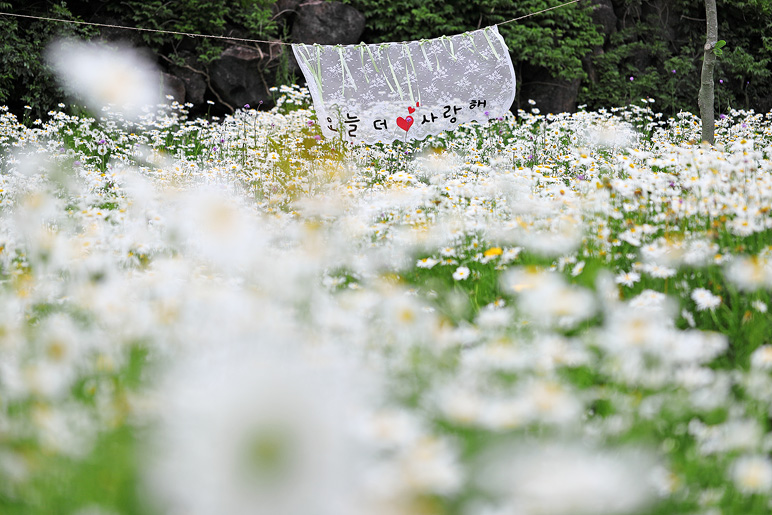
{"x":707,"y":94}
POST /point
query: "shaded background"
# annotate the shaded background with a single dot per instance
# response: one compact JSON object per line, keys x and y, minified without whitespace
{"x":596,"y":53}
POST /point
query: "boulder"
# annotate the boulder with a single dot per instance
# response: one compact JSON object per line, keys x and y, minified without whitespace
{"x":285,"y":8}
{"x":552,"y":95}
{"x":605,"y":18}
{"x":241,"y":76}
{"x":174,"y":86}
{"x":603,"y":15}
{"x":327,"y":23}
{"x":195,"y":83}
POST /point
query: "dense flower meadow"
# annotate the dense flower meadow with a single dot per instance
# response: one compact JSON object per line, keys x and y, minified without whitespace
{"x":545,"y":314}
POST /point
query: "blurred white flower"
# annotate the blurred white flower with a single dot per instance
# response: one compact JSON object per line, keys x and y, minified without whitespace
{"x":246,"y":434}
{"x":427,"y":262}
{"x":610,"y":135}
{"x":219,"y":227}
{"x":629,"y":328}
{"x":106,"y":76}
{"x":762,"y":357}
{"x":749,"y":273}
{"x":566,"y":479}
{"x":546,"y":298}
{"x":578,"y":268}
{"x":705,"y":299}
{"x":632,"y":237}
{"x":558,"y":237}
{"x":549,"y":402}
{"x":693,"y":346}
{"x":752,"y":474}
{"x":652,"y":301}
{"x":658,"y":271}
{"x":628,"y":278}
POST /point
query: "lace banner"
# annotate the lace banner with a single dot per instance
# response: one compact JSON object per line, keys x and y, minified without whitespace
{"x":410,"y":90}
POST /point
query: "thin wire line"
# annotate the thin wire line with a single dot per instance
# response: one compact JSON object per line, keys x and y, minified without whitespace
{"x":538,"y":12}
{"x":210,"y":36}
{"x":192,"y":35}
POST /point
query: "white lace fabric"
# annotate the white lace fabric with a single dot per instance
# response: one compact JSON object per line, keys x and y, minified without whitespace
{"x":409,"y":90}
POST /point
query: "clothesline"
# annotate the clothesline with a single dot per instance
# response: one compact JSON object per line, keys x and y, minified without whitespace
{"x":229,"y":38}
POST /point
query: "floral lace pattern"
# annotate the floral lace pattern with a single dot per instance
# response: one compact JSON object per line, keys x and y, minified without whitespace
{"x":408,"y":90}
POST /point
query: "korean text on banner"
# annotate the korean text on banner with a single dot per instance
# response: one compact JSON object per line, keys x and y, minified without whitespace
{"x":410,"y":90}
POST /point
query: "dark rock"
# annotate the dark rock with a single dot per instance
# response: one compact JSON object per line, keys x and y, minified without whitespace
{"x":241,"y":76}
{"x":327,"y":23}
{"x":194,"y":80}
{"x":115,"y":34}
{"x":285,"y":7}
{"x":667,"y":22}
{"x":551,"y":95}
{"x":603,"y":14}
{"x":173,"y":86}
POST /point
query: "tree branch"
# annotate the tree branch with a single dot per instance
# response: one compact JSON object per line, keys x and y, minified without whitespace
{"x":206,"y":79}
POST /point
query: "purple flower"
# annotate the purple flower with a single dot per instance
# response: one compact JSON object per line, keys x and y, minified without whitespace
{"x":720,"y":81}
{"x":246,"y":106}
{"x":487,"y":113}
{"x":632,"y":78}
{"x":318,"y":138}
{"x":580,"y":177}
{"x":673,"y":71}
{"x":102,"y":142}
{"x":722,"y":116}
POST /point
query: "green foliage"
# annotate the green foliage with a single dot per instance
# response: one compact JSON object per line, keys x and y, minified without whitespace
{"x":25,"y":79}
{"x":661,"y":44}
{"x":718,"y":48}
{"x":556,"y":40}
{"x":657,"y":42}
{"x":249,"y":18}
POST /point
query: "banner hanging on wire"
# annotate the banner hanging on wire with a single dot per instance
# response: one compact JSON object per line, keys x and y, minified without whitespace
{"x":409,"y":90}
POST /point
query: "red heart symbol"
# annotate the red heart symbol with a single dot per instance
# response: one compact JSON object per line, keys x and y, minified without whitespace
{"x":411,"y":110}
{"x":405,"y":123}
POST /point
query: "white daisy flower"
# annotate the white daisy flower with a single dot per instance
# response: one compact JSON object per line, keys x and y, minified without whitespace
{"x":461,"y":273}
{"x":628,"y":278}
{"x":705,"y":299}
